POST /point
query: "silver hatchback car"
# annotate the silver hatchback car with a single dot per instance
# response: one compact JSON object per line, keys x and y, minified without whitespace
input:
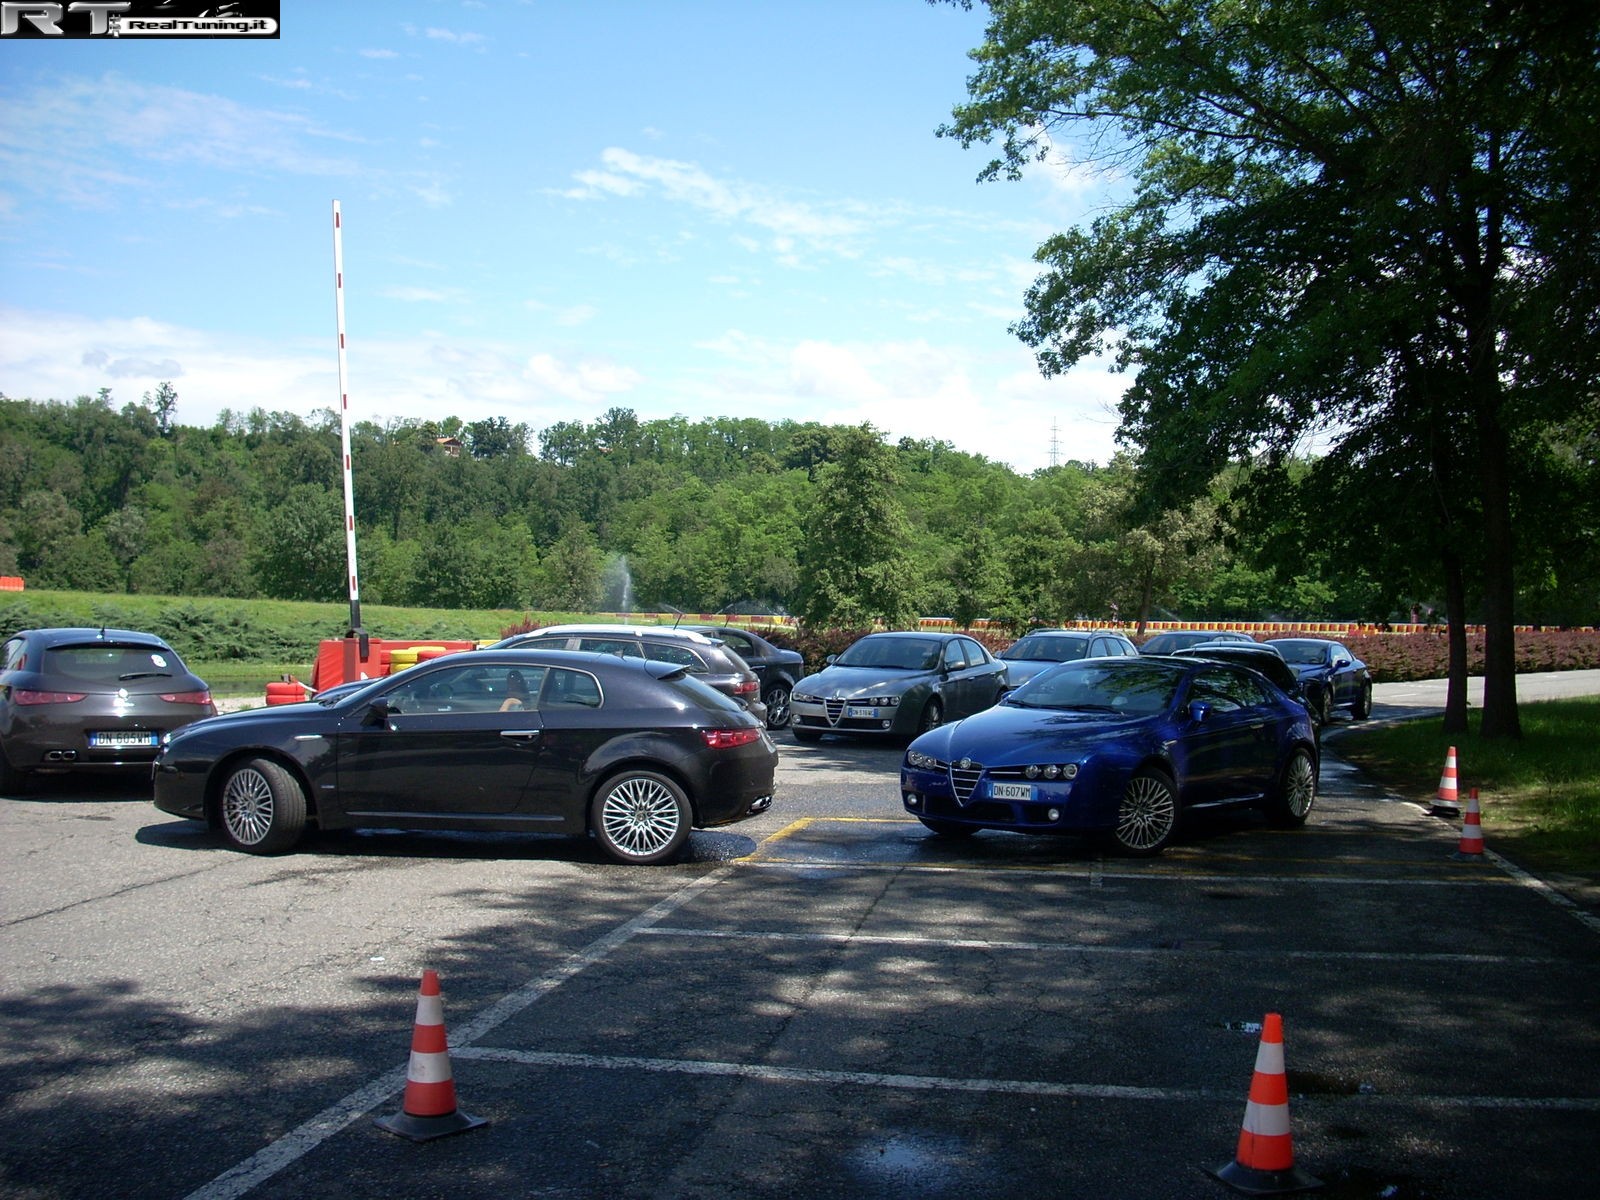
{"x":90,"y":699}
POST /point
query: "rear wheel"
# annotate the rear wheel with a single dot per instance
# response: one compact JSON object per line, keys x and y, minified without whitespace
{"x":641,"y":817}
{"x":13,"y":780}
{"x":1147,"y":818}
{"x":1296,"y":791}
{"x":263,"y":807}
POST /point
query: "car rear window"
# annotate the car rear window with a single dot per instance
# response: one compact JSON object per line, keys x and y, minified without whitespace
{"x":109,"y":664}
{"x":701,"y":694}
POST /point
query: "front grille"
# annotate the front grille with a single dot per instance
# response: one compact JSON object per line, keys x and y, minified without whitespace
{"x":833,"y":708}
{"x":964,"y":778}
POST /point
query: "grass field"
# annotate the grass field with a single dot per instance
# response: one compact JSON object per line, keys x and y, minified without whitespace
{"x":1539,"y":798}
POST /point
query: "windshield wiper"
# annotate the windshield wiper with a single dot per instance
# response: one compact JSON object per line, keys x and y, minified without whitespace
{"x":144,"y":675}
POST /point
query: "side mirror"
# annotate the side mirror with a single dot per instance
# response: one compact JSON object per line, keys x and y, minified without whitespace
{"x":1340,"y":663}
{"x":1199,"y":710}
{"x":378,"y":713}
{"x":830,"y":659}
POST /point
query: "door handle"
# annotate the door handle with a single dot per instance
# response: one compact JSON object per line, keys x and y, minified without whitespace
{"x":521,"y":735}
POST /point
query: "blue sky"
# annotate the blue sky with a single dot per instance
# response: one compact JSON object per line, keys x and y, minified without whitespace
{"x":550,"y":207}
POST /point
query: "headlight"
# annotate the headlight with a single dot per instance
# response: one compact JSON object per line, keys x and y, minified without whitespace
{"x":1050,"y":771}
{"x":881,"y":701}
{"x":804,"y":698}
{"x":923,"y":762}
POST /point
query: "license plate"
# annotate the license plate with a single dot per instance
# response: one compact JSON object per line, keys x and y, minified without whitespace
{"x":1011,"y":791}
{"x":124,"y":737}
{"x":856,"y":712}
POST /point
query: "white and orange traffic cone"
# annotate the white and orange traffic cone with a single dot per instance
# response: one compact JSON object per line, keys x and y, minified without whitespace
{"x":1448,"y":803}
{"x":1263,"y":1165}
{"x":429,"y":1110}
{"x":1470,"y":848}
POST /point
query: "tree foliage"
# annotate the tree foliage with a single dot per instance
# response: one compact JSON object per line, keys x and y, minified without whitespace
{"x":1373,"y":222}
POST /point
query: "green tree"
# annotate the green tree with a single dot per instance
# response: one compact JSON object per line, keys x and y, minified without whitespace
{"x":855,"y":565}
{"x":1319,"y":192}
{"x":302,"y":551}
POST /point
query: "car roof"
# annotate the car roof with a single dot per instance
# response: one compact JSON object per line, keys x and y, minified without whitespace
{"x":1261,"y":649}
{"x":75,"y":635}
{"x":532,"y":656}
{"x":639,"y":631}
{"x":912,"y":633}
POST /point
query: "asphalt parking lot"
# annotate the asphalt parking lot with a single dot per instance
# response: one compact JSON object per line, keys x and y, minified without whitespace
{"x":825,"y":1003}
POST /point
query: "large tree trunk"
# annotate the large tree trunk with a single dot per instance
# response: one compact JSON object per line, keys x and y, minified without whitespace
{"x":1455,"y":608}
{"x":1500,"y":716}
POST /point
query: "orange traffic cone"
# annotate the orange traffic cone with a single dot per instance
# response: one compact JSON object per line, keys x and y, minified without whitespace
{"x":429,"y":1110}
{"x":1470,"y":847}
{"x":1449,"y":800}
{"x":1264,"y":1163}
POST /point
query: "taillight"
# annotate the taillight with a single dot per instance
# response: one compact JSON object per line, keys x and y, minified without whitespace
{"x":747,"y":686}
{"x":727,"y":739}
{"x":186,"y":697}
{"x":25,"y":696}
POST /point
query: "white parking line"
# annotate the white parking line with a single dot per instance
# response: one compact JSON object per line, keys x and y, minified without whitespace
{"x":835,"y":939}
{"x":1020,"y":1087}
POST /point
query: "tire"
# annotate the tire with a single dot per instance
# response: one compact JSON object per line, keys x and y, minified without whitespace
{"x":932,"y":717}
{"x":1147,"y":817}
{"x":641,"y":818}
{"x":1361,"y":708}
{"x":262,"y":807}
{"x":1292,"y":797}
{"x":777,"y":702}
{"x":947,"y":829}
{"x":13,"y":780}
{"x":804,"y":733}
{"x":1324,"y":705}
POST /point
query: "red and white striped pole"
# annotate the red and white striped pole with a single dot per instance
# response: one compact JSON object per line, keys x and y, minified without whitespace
{"x":344,"y":448}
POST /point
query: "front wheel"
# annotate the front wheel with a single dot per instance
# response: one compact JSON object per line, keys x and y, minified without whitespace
{"x":1291,"y":799}
{"x":263,"y":808}
{"x":947,"y":829}
{"x":1361,"y":709}
{"x":932,"y":717}
{"x":777,"y":702}
{"x":641,"y":818}
{"x":1147,"y":818}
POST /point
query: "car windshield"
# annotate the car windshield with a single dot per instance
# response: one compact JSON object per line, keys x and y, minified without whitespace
{"x":1303,"y":652}
{"x":901,"y":654}
{"x":1136,"y":689}
{"x":1045,"y":648}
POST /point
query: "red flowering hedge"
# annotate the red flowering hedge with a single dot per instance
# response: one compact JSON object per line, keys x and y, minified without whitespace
{"x":1399,"y":657}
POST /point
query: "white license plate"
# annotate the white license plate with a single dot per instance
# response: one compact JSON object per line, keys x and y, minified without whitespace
{"x":856,"y":712}
{"x":124,"y":737}
{"x":1011,"y":791}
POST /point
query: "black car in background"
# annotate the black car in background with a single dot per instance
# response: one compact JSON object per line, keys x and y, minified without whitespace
{"x":1260,"y":656}
{"x":629,"y":751}
{"x":1333,"y":677}
{"x":777,"y":668}
{"x":1179,"y":639}
{"x":90,"y":699}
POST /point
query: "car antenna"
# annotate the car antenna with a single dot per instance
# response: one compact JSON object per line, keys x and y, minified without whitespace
{"x":678,"y":617}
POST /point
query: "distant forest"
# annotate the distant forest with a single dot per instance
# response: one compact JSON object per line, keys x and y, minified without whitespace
{"x":836,"y":524}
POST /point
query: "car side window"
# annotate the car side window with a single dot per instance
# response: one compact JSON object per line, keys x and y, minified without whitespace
{"x":955,"y":656}
{"x":678,"y":656}
{"x":742,"y":646}
{"x":13,"y":651}
{"x":1216,"y":689}
{"x":563,"y":687}
{"x":977,"y":656}
{"x":621,"y":647}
